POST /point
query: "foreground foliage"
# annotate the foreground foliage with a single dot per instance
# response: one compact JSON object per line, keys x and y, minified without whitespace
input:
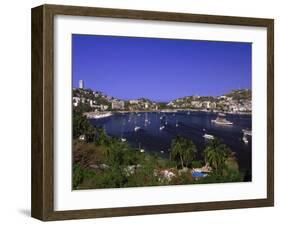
{"x":101,"y":161}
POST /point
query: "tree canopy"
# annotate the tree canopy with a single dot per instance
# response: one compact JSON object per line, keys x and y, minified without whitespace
{"x":183,"y":149}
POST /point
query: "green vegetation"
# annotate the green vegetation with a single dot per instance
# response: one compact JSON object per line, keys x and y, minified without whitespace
{"x":81,"y":126}
{"x":114,"y":164}
{"x":240,"y":94}
{"x":216,"y":155}
{"x":184,"y":150}
{"x":100,"y":161}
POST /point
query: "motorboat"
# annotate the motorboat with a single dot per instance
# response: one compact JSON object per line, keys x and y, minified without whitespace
{"x":245,"y":139}
{"x":123,"y":139}
{"x":221,"y":120}
{"x":208,"y":136}
{"x":137,"y":128}
{"x":247,"y":132}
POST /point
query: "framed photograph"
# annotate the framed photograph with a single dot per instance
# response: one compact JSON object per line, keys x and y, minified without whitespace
{"x":141,"y":112}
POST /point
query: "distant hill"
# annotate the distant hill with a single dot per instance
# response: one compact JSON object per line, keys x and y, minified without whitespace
{"x":235,"y":101}
{"x":240,"y":94}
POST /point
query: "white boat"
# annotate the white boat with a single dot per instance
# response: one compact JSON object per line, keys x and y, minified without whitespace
{"x":247,"y":132}
{"x":177,"y":125}
{"x":141,"y":149}
{"x":162,"y":127}
{"x":220,"y":120}
{"x":123,"y":139}
{"x":82,"y":137}
{"x":208,"y":136}
{"x":137,"y":128}
{"x":245,"y":140}
{"x":96,"y":115}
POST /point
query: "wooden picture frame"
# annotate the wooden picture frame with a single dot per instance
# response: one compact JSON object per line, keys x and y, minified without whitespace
{"x":43,"y":112}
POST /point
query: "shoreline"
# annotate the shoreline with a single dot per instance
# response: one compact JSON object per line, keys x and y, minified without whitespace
{"x":104,"y":114}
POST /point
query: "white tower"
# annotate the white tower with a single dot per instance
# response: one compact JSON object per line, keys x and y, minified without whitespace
{"x":81,"y":84}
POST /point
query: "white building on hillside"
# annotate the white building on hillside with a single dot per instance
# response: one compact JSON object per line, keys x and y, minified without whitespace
{"x":118,"y":104}
{"x":81,"y":84}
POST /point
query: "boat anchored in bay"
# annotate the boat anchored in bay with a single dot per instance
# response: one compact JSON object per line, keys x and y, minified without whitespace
{"x":221,"y":120}
{"x":208,"y":136}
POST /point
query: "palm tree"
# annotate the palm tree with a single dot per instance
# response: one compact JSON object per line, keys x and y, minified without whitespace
{"x":176,"y":149}
{"x":216,"y":154}
{"x":189,"y":151}
{"x":183,"y":149}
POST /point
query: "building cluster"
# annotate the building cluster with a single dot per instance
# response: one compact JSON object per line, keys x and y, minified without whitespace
{"x":235,"y":105}
{"x":229,"y":103}
{"x":92,"y":103}
{"x":141,"y":104}
{"x":118,"y":104}
{"x":96,"y":100}
{"x":195,"y":102}
{"x":236,"y":101}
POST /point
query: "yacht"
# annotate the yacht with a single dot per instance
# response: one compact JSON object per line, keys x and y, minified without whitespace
{"x":221,"y":120}
{"x":123,"y":139}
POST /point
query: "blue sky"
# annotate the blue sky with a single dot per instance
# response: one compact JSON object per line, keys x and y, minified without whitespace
{"x":160,"y":69}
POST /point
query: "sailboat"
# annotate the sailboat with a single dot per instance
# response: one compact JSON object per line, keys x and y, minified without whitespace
{"x":141,"y":149}
{"x":122,"y":131}
{"x":146,"y":121}
{"x":161,"y":127}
